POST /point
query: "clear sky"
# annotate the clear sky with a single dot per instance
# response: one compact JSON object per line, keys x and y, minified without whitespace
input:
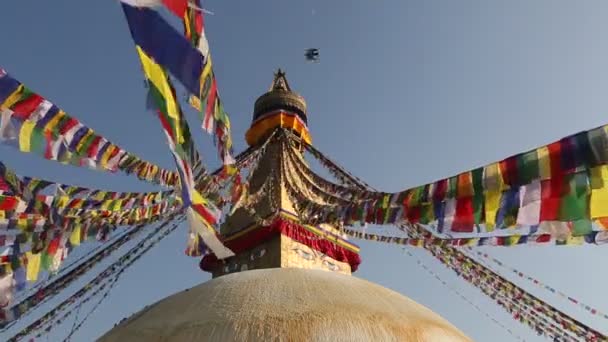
{"x":407,"y":92}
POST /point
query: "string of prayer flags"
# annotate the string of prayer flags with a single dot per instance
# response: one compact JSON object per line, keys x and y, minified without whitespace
{"x":10,"y":314}
{"x":532,"y":239}
{"x":558,"y":188}
{"x":175,"y":53}
{"x":535,"y":281}
{"x":200,"y":217}
{"x":208,"y":104}
{"x":476,"y":274}
{"x":33,"y":124}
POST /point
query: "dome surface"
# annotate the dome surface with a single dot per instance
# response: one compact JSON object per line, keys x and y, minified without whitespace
{"x":286,"y":304}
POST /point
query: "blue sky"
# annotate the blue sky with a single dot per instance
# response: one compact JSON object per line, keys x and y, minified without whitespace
{"x":407,"y":92}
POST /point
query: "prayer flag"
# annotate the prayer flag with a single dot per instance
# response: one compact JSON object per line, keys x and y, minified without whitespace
{"x":530,"y":197}
{"x":157,"y":39}
{"x":574,"y":202}
{"x":598,"y":141}
{"x":33,"y":266}
{"x":599,"y":192}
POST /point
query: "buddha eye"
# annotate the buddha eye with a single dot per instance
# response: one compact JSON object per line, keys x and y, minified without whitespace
{"x":304,"y":254}
{"x":257,"y":254}
{"x":330,"y":265}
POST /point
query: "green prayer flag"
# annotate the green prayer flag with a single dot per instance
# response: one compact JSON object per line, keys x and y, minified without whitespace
{"x":478,"y":197}
{"x":38,"y":141}
{"x":45,"y":261}
{"x":527,"y":167}
{"x":427,"y":214}
{"x":575,"y":201}
{"x":452,"y":186}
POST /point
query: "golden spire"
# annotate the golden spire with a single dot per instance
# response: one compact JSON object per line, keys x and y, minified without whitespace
{"x":280,"y":82}
{"x":278,"y":100}
{"x":279,"y":96}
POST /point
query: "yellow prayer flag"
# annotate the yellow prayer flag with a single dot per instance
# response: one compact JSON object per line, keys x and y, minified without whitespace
{"x":33,"y":266}
{"x":197,"y":198}
{"x":544,"y":162}
{"x":119,"y":204}
{"x":205,"y":74}
{"x":51,"y":126}
{"x":157,"y":76}
{"x":493,"y":178}
{"x":195,"y":102}
{"x":514,"y":239}
{"x":13,"y":98}
{"x":62,"y":201}
{"x":99,"y":196}
{"x":22,"y":223}
{"x":106,"y":155}
{"x":575,"y":240}
{"x":25,"y":135}
{"x":83,"y":140}
{"x":216,"y":109}
{"x":491,"y":208}
{"x":599,"y":192}
{"x":75,"y":236}
{"x":153,"y":170}
{"x":105,"y":205}
{"x":472,"y":242}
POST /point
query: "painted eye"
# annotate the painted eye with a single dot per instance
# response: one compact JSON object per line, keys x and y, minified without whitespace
{"x":257,"y":254}
{"x":304,"y":254}
{"x":330,"y":265}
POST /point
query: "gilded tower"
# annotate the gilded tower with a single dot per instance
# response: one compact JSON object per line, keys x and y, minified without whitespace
{"x":266,"y":231}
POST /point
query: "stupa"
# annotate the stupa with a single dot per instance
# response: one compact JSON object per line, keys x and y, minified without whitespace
{"x":288,"y":281}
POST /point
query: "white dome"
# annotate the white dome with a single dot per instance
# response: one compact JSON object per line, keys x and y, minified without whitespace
{"x":286,"y":304}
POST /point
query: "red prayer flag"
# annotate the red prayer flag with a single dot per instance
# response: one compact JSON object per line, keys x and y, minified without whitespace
{"x":3,"y":185}
{"x":555,"y":159}
{"x":204,"y":213}
{"x":53,"y":246}
{"x":463,"y":218}
{"x":413,"y":214}
{"x":69,"y":124}
{"x":508,"y":169}
{"x":211,"y":99}
{"x":543,"y":238}
{"x":8,"y":203}
{"x":24,"y":108}
{"x":94,"y":147}
{"x":48,"y":151}
{"x":441,"y":188}
{"x":552,"y":189}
